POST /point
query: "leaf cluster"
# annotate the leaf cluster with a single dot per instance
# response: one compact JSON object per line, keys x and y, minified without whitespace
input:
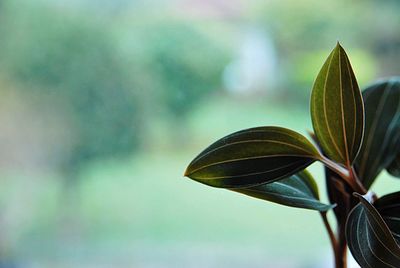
{"x":356,"y":136}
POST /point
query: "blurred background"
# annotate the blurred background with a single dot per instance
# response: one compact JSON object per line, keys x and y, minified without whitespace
{"x":104,"y":103}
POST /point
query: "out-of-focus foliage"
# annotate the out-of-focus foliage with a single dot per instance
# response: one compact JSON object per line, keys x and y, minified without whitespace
{"x":71,"y":62}
{"x":185,"y":65}
{"x":86,"y":82}
{"x":303,"y":30}
{"x":105,"y":92}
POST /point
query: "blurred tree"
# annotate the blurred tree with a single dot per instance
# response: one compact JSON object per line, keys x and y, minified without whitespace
{"x":187,"y":65}
{"x":180,"y":65}
{"x":70,"y":61}
{"x":369,"y":29}
{"x":73,"y":62}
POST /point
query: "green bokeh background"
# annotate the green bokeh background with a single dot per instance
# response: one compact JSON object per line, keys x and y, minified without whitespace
{"x":104,"y":103}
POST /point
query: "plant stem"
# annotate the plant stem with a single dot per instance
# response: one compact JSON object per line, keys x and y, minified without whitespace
{"x":340,"y":170}
{"x":355,"y":178}
{"x":332,"y":237}
{"x":329,"y":229}
{"x":346,"y":173}
{"x":339,"y":247}
{"x":341,"y":259}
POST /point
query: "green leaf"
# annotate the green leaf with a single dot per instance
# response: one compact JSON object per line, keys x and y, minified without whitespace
{"x":389,"y":208}
{"x":337,"y":109}
{"x":299,"y":190}
{"x":394,"y":167}
{"x":370,"y":239}
{"x":382,"y":130}
{"x":339,"y":193}
{"x":251,"y":157}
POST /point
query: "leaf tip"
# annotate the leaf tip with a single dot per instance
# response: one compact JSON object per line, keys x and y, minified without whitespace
{"x":339,"y":47}
{"x":187,"y":172}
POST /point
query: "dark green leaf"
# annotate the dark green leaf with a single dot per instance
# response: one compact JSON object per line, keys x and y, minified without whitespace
{"x":299,"y":190}
{"x":338,"y":193}
{"x":389,"y":208}
{"x":337,"y":109}
{"x":341,"y":194}
{"x":369,"y":238}
{"x":382,"y":129}
{"x":251,"y":157}
{"x":394,"y":167}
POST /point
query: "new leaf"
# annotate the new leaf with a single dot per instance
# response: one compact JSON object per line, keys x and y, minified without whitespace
{"x":337,"y":109}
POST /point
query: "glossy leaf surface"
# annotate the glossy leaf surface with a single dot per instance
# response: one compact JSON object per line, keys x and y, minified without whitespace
{"x":299,"y":190}
{"x":382,"y":129}
{"x":369,"y":238}
{"x":337,"y":109}
{"x":389,"y":208}
{"x":251,"y":157}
